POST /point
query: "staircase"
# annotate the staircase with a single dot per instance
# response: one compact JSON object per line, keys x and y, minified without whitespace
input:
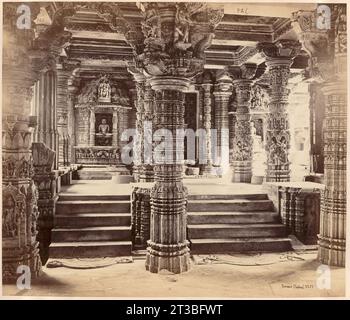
{"x":234,"y":223}
{"x":90,"y":226}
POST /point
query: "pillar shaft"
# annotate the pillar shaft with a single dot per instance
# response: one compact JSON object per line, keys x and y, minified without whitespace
{"x":277,"y":130}
{"x":168,"y":247}
{"x":115,"y":141}
{"x":221,"y":125}
{"x":19,"y":193}
{"x":62,"y":117}
{"x":242,"y":140}
{"x":332,"y":237}
{"x":207,"y":167}
{"x":92,"y":128}
{"x":147,"y":172}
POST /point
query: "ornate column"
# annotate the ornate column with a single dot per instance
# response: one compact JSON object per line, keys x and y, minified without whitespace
{"x":62,"y":114}
{"x":279,"y":57}
{"x":222,"y":94}
{"x":123,"y":115}
{"x":45,"y":178}
{"x":242,"y":155}
{"x":115,"y":141}
{"x":19,"y":194}
{"x":328,"y":55}
{"x":147,"y":172}
{"x":207,"y":87}
{"x":138,"y":98}
{"x":72,"y":127}
{"x":92,"y":127}
{"x":65,"y":111}
{"x":332,"y":237}
{"x":173,"y":54}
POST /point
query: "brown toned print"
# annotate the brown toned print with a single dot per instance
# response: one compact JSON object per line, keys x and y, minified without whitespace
{"x":174,"y":149}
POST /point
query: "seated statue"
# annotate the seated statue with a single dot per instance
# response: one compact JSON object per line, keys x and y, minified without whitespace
{"x":103,"y":127}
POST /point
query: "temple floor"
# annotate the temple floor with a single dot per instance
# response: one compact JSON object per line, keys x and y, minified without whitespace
{"x":195,"y":186}
{"x":251,"y":275}
{"x":227,"y":276}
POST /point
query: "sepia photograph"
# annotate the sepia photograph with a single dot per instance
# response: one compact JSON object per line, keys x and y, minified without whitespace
{"x":166,"y":150}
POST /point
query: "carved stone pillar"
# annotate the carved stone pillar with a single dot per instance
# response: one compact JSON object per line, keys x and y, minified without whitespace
{"x":278,"y":60}
{"x":45,"y":179}
{"x":19,"y":194}
{"x":115,"y":141}
{"x":92,"y":128}
{"x":65,"y":111}
{"x":333,"y":204}
{"x":328,"y":64}
{"x":332,"y":238}
{"x":71,"y":122}
{"x":207,"y":87}
{"x":147,"y":172}
{"x":172,"y":55}
{"x":62,"y":115}
{"x":242,"y":142}
{"x":168,"y":249}
{"x":123,"y":125}
{"x":138,"y":98}
{"x":222,"y":94}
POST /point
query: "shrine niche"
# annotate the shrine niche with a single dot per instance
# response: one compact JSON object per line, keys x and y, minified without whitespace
{"x":100,"y":106}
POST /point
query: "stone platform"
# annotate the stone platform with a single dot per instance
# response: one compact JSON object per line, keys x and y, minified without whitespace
{"x":222,"y":217}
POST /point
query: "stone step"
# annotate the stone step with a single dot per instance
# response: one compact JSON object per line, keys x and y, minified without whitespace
{"x":92,"y":220}
{"x":91,"y":197}
{"x":98,"y":249}
{"x":91,"y":234}
{"x":207,"y":246}
{"x":82,"y":206}
{"x":93,"y":175}
{"x":232,"y":217}
{"x":229,"y":205}
{"x":253,"y":196}
{"x":229,"y":231}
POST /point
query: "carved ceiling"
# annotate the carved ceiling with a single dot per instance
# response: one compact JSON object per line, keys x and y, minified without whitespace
{"x":96,"y":45}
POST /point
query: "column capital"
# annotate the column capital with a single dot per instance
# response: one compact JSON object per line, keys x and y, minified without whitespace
{"x":280,"y":51}
{"x":223,"y":86}
{"x":176,"y":36}
{"x":245,"y":73}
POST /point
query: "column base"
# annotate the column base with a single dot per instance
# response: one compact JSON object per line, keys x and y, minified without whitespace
{"x":331,"y":251}
{"x":10,"y":265}
{"x":206,"y":170}
{"x":146,"y":173}
{"x":242,"y":177}
{"x":175,"y":262}
{"x":278,"y":176}
{"x":242,"y":171}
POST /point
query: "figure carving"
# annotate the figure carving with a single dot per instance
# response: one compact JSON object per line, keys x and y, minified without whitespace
{"x":14,"y":204}
{"x":103,"y":128}
{"x":104,"y":90}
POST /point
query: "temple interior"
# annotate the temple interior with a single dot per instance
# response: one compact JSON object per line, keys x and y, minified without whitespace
{"x":258,"y":89}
